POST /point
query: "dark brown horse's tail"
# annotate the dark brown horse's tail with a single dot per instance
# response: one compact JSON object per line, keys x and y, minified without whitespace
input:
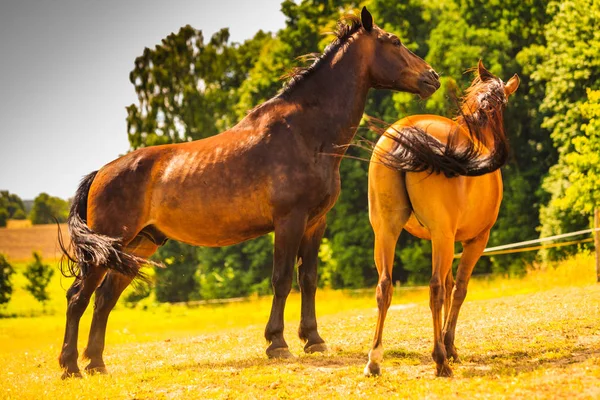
{"x":89,"y":249}
{"x":417,"y":151}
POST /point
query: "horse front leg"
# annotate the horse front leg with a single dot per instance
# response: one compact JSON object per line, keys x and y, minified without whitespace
{"x":307,"y":279}
{"x":472,"y":250}
{"x":448,"y":298}
{"x":442,"y":255}
{"x":288,"y":234}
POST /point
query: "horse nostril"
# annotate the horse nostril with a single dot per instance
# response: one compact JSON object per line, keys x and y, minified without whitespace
{"x":435,"y":74}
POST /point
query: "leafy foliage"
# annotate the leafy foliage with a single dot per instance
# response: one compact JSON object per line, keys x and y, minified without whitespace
{"x":46,"y":208}
{"x":583,"y":192}
{"x":189,"y":89}
{"x":6,"y":271}
{"x":567,"y":65}
{"x":38,"y":277}
{"x":11,"y":207}
{"x":178,"y":282}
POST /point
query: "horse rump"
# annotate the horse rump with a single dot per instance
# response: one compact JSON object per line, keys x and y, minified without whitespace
{"x":89,"y":249}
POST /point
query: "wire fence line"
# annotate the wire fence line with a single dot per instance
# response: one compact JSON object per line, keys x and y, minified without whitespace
{"x":513,"y":247}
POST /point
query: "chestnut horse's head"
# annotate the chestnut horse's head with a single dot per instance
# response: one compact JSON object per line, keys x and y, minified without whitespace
{"x":392,"y":65}
{"x":488,"y":93}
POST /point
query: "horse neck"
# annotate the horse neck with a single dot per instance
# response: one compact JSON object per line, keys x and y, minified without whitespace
{"x":332,"y":99}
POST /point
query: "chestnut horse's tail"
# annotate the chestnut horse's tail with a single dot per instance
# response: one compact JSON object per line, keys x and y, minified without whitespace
{"x":89,"y":249}
{"x":417,"y":151}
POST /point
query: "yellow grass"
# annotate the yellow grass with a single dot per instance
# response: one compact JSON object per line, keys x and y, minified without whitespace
{"x":18,"y":242}
{"x":535,"y":337}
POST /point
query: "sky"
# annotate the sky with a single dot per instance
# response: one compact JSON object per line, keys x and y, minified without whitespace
{"x":64,"y":78}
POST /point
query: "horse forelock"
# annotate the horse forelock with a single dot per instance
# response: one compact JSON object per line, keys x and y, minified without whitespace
{"x":345,"y":28}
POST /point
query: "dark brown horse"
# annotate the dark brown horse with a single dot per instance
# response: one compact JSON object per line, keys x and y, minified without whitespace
{"x":439,"y":179}
{"x":270,"y":172}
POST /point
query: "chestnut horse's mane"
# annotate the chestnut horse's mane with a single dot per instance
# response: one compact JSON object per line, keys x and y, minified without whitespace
{"x":346,"y":27}
{"x":480,"y":110}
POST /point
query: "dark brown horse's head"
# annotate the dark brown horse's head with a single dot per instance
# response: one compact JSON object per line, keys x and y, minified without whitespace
{"x":488,"y":93}
{"x":392,"y":65}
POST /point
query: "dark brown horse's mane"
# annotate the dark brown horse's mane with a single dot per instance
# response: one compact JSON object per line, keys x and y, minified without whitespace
{"x":481,"y":109}
{"x":346,"y":27}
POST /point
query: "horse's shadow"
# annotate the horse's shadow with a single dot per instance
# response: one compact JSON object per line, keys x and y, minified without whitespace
{"x":497,"y":363}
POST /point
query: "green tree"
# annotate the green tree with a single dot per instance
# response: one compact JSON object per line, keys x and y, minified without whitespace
{"x":188,"y":90}
{"x":11,"y":207}
{"x":46,"y":208}
{"x":38,"y":277}
{"x":6,"y":271}
{"x":582,"y":194}
{"x":566,"y":66}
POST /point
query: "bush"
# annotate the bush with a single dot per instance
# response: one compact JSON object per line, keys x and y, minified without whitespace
{"x":11,"y":206}
{"x":140,"y":290}
{"x":6,"y":270}
{"x":3,"y":217}
{"x":38,"y":275}
{"x":178,"y":281}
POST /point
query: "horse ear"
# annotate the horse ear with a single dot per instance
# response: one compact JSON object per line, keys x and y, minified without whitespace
{"x":512,"y":85}
{"x":366,"y":19}
{"x":484,"y":74}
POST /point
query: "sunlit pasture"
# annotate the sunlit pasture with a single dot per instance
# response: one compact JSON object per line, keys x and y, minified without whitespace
{"x":536,"y":336}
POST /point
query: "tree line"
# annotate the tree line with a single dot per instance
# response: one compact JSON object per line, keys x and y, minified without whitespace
{"x":190,"y":87}
{"x":44,"y":210}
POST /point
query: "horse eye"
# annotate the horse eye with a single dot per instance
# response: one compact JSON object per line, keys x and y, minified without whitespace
{"x":397,"y":42}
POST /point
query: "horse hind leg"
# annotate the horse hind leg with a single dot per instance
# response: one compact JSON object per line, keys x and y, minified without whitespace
{"x":389,"y":210}
{"x":442,"y":255}
{"x":78,"y":298}
{"x":472,"y":251}
{"x":107,"y":295}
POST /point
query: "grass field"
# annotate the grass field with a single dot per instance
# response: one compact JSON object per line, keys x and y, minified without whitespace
{"x":535,"y":337}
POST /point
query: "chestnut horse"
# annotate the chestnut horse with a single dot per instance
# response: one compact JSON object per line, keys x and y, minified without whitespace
{"x":440,"y":180}
{"x":270,"y":172}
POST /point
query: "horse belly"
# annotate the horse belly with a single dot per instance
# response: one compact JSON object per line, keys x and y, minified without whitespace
{"x":209,"y":216}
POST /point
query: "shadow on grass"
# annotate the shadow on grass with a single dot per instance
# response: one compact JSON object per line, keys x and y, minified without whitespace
{"x":518,"y":362}
{"x":491,"y":364}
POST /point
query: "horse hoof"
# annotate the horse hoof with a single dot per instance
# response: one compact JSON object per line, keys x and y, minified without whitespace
{"x":68,"y":374}
{"x":280,"y":352}
{"x":315,"y":348}
{"x":443,"y":371}
{"x":97,"y":370}
{"x":372,"y":369}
